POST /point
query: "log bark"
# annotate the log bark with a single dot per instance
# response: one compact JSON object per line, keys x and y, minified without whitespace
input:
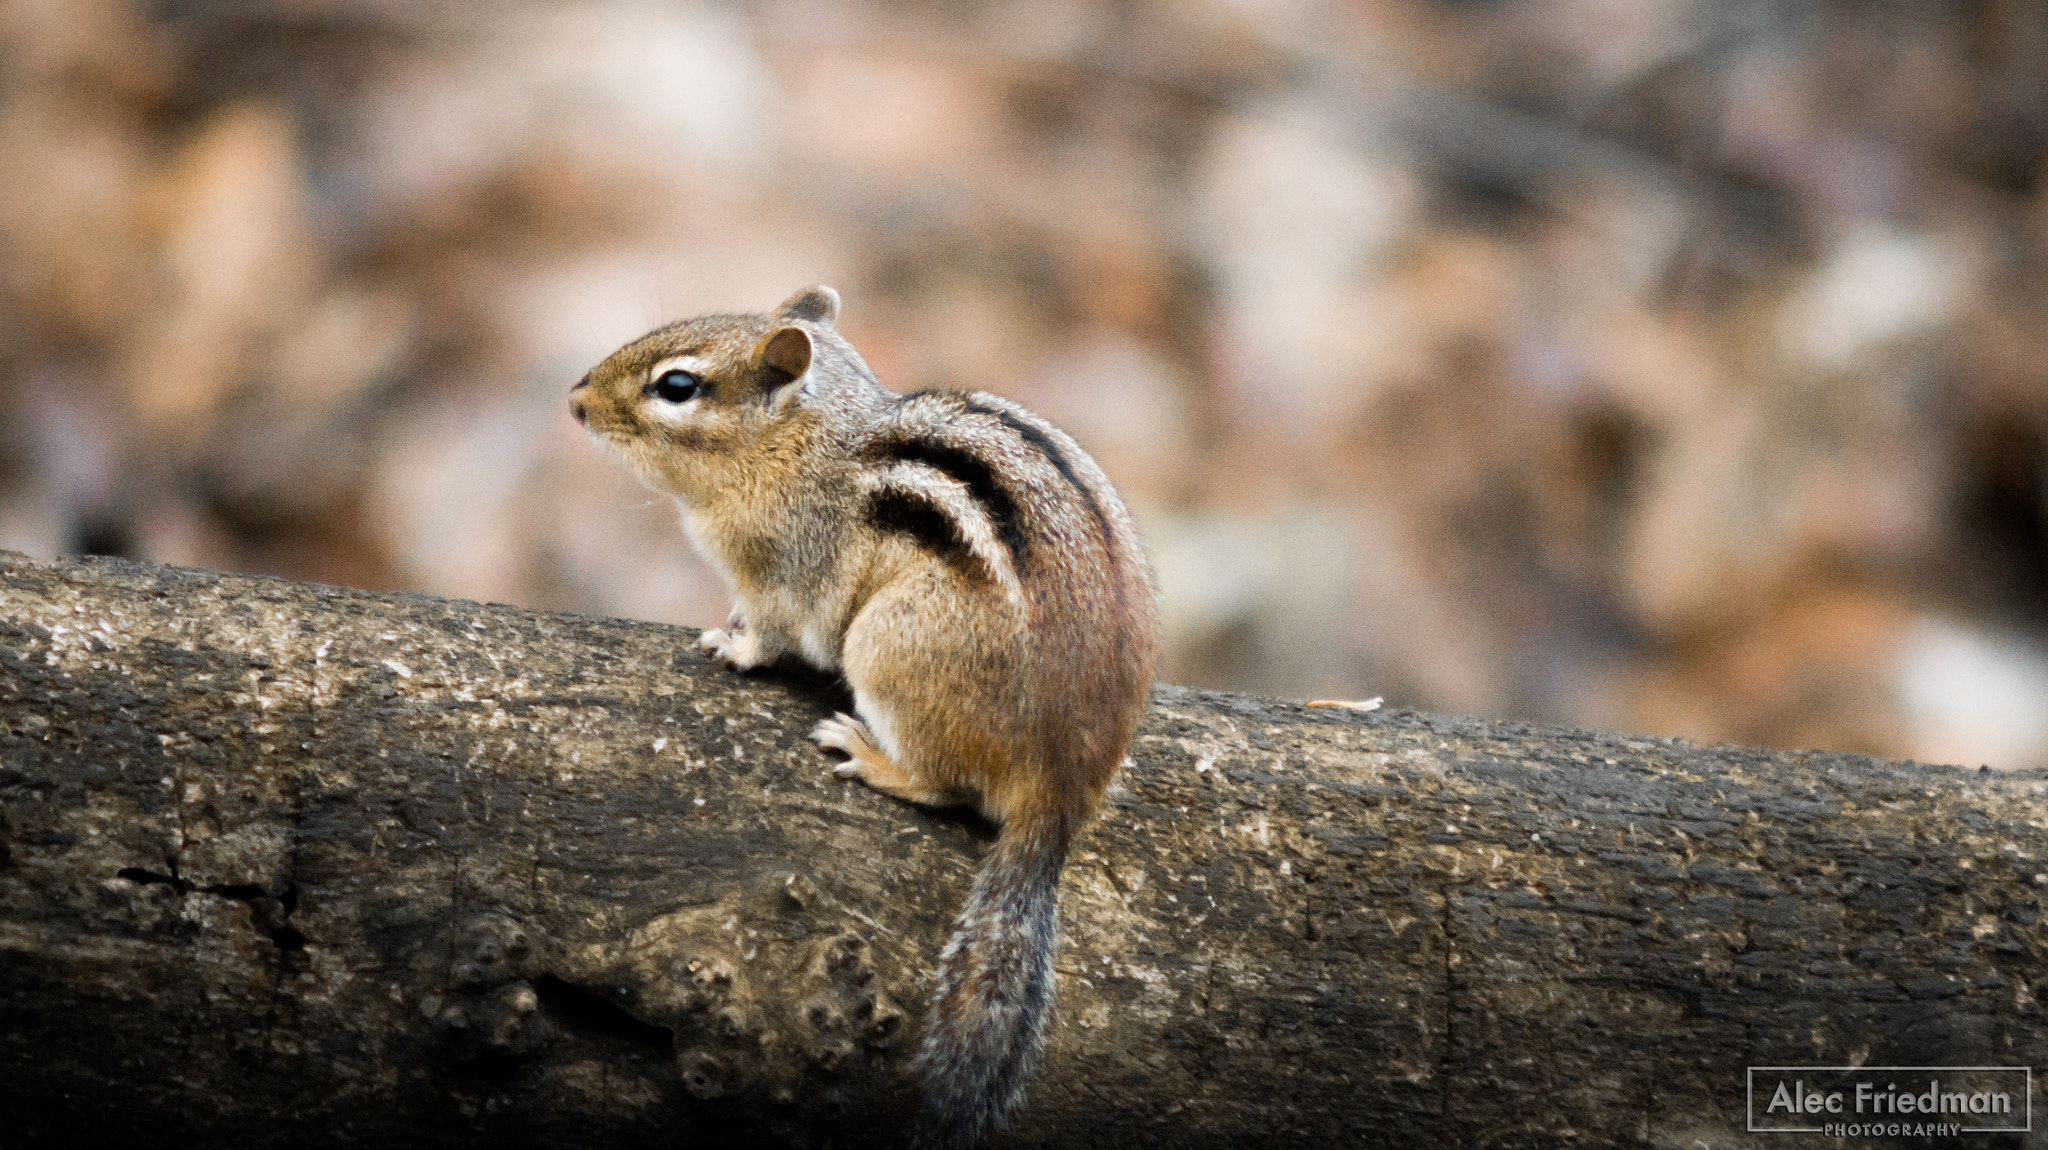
{"x":284,"y":864}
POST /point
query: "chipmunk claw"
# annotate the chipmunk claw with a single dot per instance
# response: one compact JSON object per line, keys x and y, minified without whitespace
{"x":841,"y":732}
{"x":738,"y":652}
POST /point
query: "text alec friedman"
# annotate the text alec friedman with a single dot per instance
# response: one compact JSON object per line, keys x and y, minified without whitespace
{"x":1970,"y":1099}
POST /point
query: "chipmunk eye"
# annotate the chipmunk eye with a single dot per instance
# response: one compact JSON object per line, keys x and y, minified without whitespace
{"x":675,"y":386}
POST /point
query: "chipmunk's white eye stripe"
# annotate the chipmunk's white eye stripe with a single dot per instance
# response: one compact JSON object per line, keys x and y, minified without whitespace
{"x":694,"y":364}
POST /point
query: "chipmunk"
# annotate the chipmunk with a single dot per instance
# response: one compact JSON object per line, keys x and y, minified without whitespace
{"x":972,"y":574}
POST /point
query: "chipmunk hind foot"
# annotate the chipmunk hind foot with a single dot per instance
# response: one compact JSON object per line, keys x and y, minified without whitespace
{"x":868,"y":762}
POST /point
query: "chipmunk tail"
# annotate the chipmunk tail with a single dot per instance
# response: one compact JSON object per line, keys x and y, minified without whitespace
{"x":986,"y":1026}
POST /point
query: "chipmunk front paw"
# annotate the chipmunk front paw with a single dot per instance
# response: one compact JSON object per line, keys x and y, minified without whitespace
{"x":741,"y":651}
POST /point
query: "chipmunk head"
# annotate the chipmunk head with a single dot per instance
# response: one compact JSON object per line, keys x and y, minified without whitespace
{"x":680,"y":401}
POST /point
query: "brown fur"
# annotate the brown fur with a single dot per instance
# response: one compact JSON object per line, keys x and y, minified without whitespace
{"x":968,"y":569}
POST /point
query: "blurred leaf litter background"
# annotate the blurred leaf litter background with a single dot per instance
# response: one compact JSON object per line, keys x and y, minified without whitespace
{"x":1678,"y":366}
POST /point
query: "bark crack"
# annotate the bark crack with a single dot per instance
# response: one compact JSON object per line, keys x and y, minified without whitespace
{"x":271,"y":915}
{"x":288,"y":939}
{"x":1450,"y":996}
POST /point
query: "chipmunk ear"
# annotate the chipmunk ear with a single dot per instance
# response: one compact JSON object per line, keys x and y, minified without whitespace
{"x":788,"y":351}
{"x":787,"y":354}
{"x":818,"y":304}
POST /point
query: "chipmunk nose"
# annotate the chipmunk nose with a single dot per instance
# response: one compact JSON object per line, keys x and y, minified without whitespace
{"x":576,"y":407}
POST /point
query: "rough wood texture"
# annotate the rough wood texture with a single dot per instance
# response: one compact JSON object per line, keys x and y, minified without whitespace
{"x":292,"y":865}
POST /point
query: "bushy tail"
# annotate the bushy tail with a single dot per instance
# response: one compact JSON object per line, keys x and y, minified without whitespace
{"x":987,"y":1021}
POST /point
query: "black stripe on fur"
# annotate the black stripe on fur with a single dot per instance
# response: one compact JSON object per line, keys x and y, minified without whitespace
{"x":928,"y":525}
{"x":1046,"y":447}
{"x":971,"y":473}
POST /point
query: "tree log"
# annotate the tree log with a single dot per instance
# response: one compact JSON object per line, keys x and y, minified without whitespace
{"x":291,"y":865}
